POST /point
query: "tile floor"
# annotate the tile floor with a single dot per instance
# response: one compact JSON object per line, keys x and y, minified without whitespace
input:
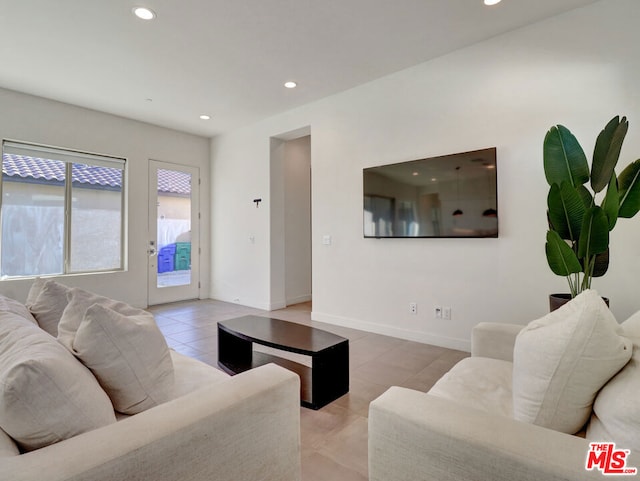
{"x":334,"y":438}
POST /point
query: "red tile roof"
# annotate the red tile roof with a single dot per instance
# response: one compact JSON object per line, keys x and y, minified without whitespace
{"x":169,"y":181}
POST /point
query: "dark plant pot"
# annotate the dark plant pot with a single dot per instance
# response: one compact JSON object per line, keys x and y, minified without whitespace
{"x":559,"y":300}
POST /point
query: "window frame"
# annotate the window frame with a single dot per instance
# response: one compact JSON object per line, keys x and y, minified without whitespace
{"x":70,"y":157}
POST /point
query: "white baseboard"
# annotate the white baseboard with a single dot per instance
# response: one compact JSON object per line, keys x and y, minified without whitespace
{"x":407,"y":334}
{"x":265,"y":306}
{"x":298,"y":300}
{"x":274,"y":306}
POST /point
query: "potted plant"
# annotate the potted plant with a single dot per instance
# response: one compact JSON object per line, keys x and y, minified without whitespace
{"x":584,"y":204}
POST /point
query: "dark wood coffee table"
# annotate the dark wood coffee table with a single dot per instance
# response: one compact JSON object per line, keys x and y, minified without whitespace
{"x":326,"y":380}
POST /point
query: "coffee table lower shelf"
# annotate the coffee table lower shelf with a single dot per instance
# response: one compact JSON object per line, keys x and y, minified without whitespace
{"x":261,"y":358}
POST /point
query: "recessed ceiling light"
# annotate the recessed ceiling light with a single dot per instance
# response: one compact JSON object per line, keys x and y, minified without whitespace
{"x":205,"y":117}
{"x":491,"y":2}
{"x":144,"y":13}
{"x":290,"y":85}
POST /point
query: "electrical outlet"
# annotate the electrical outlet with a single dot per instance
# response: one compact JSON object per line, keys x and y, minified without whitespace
{"x":413,"y":308}
{"x":437,"y":313}
{"x":446,"y":313}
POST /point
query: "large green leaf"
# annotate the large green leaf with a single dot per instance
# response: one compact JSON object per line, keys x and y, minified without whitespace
{"x":607,"y":152}
{"x":629,"y":186}
{"x":594,"y":234}
{"x":561,"y":258}
{"x":566,"y":210}
{"x":611,"y":202}
{"x":601,"y":264}
{"x":564,"y":159}
{"x":585,"y":195}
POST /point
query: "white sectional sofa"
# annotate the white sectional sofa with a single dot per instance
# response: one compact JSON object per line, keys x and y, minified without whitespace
{"x":478,"y":422}
{"x":205,"y":426}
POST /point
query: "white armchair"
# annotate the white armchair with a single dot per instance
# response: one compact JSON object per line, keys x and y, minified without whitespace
{"x":421,"y":436}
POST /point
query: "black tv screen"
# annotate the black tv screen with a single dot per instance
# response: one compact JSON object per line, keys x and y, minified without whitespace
{"x":447,"y":196}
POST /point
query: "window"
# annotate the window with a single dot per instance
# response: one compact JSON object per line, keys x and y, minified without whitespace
{"x":62,"y":211}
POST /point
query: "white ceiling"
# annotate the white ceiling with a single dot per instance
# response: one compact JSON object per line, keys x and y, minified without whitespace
{"x":230,"y":58}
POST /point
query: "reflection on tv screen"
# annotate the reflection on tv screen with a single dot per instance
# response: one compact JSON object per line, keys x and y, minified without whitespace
{"x":448,"y":196}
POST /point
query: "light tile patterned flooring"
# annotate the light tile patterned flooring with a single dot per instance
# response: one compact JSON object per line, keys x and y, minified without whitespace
{"x":334,"y":438}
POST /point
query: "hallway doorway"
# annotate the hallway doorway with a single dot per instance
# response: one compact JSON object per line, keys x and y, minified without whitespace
{"x":291,"y":266}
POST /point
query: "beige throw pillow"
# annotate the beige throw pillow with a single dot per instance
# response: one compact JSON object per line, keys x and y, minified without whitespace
{"x":10,"y":305}
{"x":79,"y":302}
{"x":128,"y":355}
{"x":617,"y":407}
{"x":47,"y":301}
{"x":34,"y":291}
{"x":46,"y":395}
{"x":8,"y":447}
{"x":561,"y":361}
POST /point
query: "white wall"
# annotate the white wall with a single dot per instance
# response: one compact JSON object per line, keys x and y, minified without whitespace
{"x":579,"y":69}
{"x":37,"y":120}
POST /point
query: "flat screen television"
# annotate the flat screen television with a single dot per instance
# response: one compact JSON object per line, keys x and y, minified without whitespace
{"x":447,"y":196}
